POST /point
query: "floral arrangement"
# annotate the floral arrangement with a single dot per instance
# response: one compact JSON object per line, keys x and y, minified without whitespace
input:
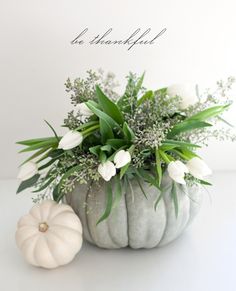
{"x":142,"y":134}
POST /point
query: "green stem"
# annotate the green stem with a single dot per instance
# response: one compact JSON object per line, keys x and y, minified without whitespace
{"x":89,"y":130}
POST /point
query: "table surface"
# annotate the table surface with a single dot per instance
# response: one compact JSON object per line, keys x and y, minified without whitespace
{"x":202,"y":259}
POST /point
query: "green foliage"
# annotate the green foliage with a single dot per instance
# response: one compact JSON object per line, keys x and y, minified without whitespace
{"x":28,"y":183}
{"x":147,"y":123}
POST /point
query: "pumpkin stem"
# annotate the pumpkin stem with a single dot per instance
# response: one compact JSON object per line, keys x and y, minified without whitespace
{"x":43,"y":226}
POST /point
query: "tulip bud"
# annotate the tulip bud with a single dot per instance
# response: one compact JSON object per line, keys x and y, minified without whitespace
{"x":198,"y":168}
{"x":27,"y":171}
{"x":176,"y":171}
{"x":122,"y":158}
{"x":84,"y":111}
{"x":187,"y":93}
{"x":70,"y":140}
{"x":107,"y":170}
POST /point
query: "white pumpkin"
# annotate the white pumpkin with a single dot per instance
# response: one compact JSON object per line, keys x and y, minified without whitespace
{"x":50,"y":235}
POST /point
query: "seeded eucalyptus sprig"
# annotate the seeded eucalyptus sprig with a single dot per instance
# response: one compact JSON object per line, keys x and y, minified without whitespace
{"x":142,"y":135}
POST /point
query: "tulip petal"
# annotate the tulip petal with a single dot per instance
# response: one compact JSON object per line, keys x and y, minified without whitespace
{"x":107,"y":170}
{"x":122,"y":158}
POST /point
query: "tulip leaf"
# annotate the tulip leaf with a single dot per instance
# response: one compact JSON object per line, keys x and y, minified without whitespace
{"x":203,"y":182}
{"x":117,"y":191}
{"x":139,"y":85}
{"x":140,"y":186}
{"x":49,"y":163}
{"x":160,"y":195}
{"x":56,"y":193}
{"x":116,"y":143}
{"x":128,"y":132}
{"x":105,"y":130}
{"x":147,"y":96}
{"x":124,"y":169}
{"x":35,"y":155}
{"x":106,"y":148}
{"x":108,"y":203}
{"x":45,"y":185}
{"x":180,"y":143}
{"x":95,"y":150}
{"x":175,"y":198}
{"x":187,"y":125}
{"x":30,"y":142}
{"x":47,"y":143}
{"x":28,"y":183}
{"x":103,"y":115}
{"x":146,"y":176}
{"x":109,"y":107}
{"x":209,"y":113}
{"x":53,"y":130}
{"x":158,"y":166}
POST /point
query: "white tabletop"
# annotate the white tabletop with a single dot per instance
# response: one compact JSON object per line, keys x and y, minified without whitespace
{"x":202,"y":259}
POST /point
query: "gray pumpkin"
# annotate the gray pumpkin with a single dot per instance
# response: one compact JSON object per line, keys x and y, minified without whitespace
{"x":134,"y":222}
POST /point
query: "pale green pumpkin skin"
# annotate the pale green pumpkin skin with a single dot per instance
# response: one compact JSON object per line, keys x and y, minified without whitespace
{"x":134,"y":222}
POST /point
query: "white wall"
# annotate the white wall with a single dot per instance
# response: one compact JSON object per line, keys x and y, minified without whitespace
{"x":36,"y":57}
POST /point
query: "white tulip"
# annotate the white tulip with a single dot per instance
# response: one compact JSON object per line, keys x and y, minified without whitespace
{"x":107,"y":170}
{"x":83,"y":111}
{"x":27,"y":171}
{"x":198,"y":168}
{"x":187,"y":93}
{"x":176,"y":171}
{"x":70,"y":140}
{"x":122,"y":158}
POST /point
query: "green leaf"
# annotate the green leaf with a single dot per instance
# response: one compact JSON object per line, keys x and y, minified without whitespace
{"x":102,"y":157}
{"x":187,"y":125}
{"x":108,"y":203}
{"x":139,"y":85}
{"x":109,"y":107}
{"x":167,"y":147}
{"x":103,"y":115}
{"x":47,"y":143}
{"x":56,"y":193}
{"x":95,"y":150}
{"x":27,"y":183}
{"x":123,"y":170}
{"x":147,"y":96}
{"x":146,"y":176}
{"x":189,"y":154}
{"x":116,"y":143}
{"x":209,"y":113}
{"x":158,"y":166}
{"x":158,"y":199}
{"x":162,"y":91}
{"x":105,"y":130}
{"x":49,"y":163}
{"x":175,"y":198}
{"x":141,"y":187}
{"x":35,"y":155}
{"x":128,"y":132}
{"x":225,"y":121}
{"x":56,"y":153}
{"x":45,"y":185}
{"x":106,"y":148}
{"x":29,"y":142}
{"x":203,"y":182}
{"x":180,"y":143}
{"x":117,"y":191}
{"x":53,"y":130}
{"x":166,"y":158}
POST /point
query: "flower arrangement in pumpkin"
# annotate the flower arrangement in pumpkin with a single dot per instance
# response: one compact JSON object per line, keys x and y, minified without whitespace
{"x":142,"y":134}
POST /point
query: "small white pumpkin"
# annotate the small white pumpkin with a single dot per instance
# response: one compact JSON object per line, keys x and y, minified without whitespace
{"x":50,"y":235}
